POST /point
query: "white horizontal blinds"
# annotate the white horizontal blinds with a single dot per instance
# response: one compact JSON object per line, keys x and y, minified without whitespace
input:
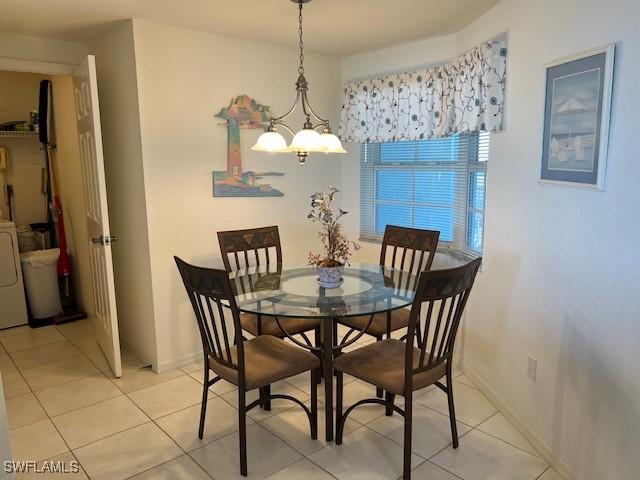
{"x":426,"y":184}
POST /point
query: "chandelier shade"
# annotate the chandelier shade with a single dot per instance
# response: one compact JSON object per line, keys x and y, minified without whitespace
{"x":311,"y":138}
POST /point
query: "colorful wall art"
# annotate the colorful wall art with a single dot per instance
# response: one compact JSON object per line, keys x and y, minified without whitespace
{"x":242,"y":113}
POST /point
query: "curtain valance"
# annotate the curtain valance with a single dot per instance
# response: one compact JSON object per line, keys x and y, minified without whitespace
{"x":464,"y":95}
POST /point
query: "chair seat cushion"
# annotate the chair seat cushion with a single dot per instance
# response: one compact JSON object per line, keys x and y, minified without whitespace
{"x":249,"y":323}
{"x":378,"y":327}
{"x":267,"y":359}
{"x":382,"y":364}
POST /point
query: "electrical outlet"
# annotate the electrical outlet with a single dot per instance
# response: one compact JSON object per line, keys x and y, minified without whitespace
{"x":532,"y":368}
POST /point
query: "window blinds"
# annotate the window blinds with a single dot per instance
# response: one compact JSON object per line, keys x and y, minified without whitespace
{"x":436,"y":184}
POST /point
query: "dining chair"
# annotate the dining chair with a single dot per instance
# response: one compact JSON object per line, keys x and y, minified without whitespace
{"x":404,"y":249}
{"x":402,"y":367}
{"x":248,"y":364}
{"x":256,"y":247}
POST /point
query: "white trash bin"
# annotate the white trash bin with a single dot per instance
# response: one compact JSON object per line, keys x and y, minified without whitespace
{"x":40,"y":271}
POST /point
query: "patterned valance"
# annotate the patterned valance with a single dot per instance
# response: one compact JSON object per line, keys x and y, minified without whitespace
{"x":464,"y":95}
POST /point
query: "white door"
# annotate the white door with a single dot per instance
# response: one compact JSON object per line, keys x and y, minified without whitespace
{"x":88,"y":115}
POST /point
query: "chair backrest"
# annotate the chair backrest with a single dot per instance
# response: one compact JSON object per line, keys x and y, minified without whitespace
{"x":211,"y":295}
{"x":250,"y":247}
{"x":437,"y":308}
{"x":409,"y":249}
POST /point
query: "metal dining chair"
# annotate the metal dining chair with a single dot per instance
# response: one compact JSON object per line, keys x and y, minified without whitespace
{"x":405,"y":249}
{"x":400,"y":368}
{"x":248,"y":364}
{"x":255,"y":247}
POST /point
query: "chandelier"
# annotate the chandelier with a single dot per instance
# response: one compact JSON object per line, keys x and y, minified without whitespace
{"x":308,"y":139}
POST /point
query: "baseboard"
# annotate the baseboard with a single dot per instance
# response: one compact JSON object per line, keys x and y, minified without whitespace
{"x":178,"y":362}
{"x":527,"y":432}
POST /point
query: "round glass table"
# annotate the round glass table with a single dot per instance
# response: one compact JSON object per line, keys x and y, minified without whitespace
{"x":292,"y":291}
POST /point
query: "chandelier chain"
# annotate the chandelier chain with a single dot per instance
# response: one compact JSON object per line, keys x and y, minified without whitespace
{"x":301,"y":43}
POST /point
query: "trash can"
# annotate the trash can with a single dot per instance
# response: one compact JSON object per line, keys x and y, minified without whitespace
{"x":40,"y":272}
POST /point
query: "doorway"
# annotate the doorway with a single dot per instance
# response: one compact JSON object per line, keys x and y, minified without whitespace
{"x":26,"y":201}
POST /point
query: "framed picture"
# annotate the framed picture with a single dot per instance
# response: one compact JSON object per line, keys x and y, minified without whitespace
{"x":576,"y":119}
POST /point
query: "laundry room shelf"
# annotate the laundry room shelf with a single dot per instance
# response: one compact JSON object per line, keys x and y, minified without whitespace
{"x":18,"y":134}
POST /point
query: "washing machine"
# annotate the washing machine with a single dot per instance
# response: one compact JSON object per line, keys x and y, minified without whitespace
{"x":13,"y":308}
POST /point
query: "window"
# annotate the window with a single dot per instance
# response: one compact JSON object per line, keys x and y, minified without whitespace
{"x":437,"y":184}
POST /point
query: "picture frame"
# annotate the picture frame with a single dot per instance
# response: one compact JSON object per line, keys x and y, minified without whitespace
{"x":578,"y":92}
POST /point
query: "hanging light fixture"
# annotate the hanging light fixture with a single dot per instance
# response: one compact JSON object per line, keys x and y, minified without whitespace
{"x":308,"y":139}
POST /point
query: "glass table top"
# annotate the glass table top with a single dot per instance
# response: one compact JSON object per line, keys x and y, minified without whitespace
{"x":292,"y":290}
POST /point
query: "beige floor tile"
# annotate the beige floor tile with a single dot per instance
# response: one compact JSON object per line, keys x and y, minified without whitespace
{"x":24,"y":410}
{"x":77,"y":394}
{"x":221,"y":419}
{"x":192,"y":367}
{"x":363,"y":454}
{"x":303,"y":382}
{"x":92,"y":423}
{"x":266,"y":454}
{"x":181,"y":468}
{"x":43,"y":354}
{"x":472,"y":407}
{"x":6,"y":364}
{"x":77,"y":329}
{"x":57,"y":373}
{"x":13,"y":385}
{"x":481,"y":456}
{"x":12,"y":341}
{"x":431,"y":430}
{"x":355,"y":391}
{"x":37,"y":441}
{"x":61,"y":467}
{"x":302,"y":469}
{"x":219,"y":388}
{"x":431,"y":471}
{"x":136,"y":378}
{"x":277,"y":406}
{"x":462,"y":378}
{"x":127,"y":453}
{"x":168,"y":397}
{"x":86,"y":344}
{"x":549,"y":474}
{"x":292,"y":426}
{"x":500,"y":427}
{"x":98,"y":359}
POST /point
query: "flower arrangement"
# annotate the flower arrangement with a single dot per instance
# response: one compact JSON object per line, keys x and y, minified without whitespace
{"x":337,"y":248}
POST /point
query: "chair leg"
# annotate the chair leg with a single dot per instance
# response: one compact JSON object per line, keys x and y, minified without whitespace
{"x":203,"y":408}
{"x":315,"y":375}
{"x":317,"y":344}
{"x":389,"y":398}
{"x":408,"y":423}
{"x":379,"y":391}
{"x":339,"y":390}
{"x":242,"y":431}
{"x":264,"y":393}
{"x":452,"y":408}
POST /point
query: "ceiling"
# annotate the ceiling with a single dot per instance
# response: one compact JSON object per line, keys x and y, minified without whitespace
{"x":336,"y":27}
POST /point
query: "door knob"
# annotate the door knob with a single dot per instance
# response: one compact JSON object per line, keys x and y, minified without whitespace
{"x":105,"y":239}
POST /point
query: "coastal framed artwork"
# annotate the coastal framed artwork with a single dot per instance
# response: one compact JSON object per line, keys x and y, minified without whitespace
{"x":576,"y":119}
{"x":242,"y":113}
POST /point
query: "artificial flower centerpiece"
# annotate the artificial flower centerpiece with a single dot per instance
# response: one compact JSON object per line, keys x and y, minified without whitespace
{"x":337,"y":248}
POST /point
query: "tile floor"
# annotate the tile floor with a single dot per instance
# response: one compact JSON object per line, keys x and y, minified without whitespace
{"x":63,"y":404}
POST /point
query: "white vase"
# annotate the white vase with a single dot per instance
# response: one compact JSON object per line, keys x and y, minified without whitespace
{"x":330,"y":277}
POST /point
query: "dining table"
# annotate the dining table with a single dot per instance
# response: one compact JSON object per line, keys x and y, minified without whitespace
{"x":291,"y":290}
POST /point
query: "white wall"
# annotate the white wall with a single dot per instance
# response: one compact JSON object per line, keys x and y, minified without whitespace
{"x":560,"y":275}
{"x":119,"y":114}
{"x":185,"y":78}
